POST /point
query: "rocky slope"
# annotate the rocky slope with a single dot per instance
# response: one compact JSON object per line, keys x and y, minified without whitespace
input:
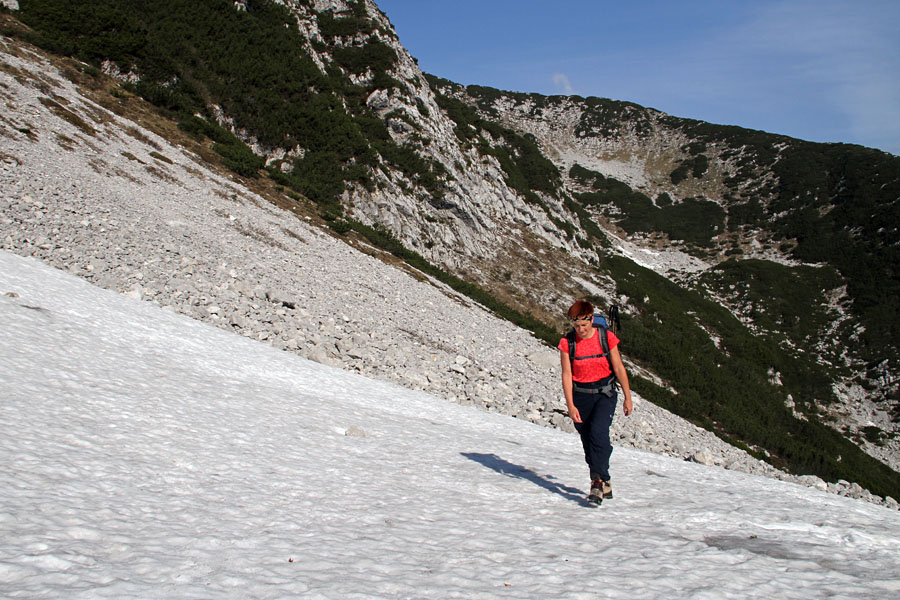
{"x":458,"y":224}
{"x":643,"y":149}
{"x":106,"y":198}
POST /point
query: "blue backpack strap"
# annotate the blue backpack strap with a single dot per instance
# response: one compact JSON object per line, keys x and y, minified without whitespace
{"x":604,"y":343}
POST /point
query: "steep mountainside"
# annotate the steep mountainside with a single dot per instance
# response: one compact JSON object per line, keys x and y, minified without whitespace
{"x":755,"y":272}
{"x":799,"y":240}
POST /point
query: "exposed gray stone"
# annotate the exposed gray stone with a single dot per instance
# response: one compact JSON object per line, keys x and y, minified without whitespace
{"x":704,"y":457}
{"x":355,"y":431}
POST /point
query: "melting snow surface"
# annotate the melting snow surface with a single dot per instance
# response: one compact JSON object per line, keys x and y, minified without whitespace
{"x":146,"y":455}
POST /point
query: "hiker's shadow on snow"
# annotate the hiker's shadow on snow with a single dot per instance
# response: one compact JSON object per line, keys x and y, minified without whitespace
{"x":504,"y":467}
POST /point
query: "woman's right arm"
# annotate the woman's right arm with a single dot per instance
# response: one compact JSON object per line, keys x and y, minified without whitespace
{"x":566,"y":365}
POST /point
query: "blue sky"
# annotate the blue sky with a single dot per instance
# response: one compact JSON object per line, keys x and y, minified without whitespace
{"x":819,"y":70}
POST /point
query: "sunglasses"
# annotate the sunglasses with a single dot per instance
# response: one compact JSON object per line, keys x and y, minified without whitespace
{"x":582,"y":319}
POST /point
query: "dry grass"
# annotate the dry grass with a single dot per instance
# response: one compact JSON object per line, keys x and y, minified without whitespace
{"x":162,"y":158}
{"x":4,"y":157}
{"x":131,"y":156}
{"x":67,"y":115}
{"x":142,"y":137}
{"x":522,"y":273}
{"x":227,"y":196}
{"x":99,"y":166}
{"x":196,"y":173}
{"x":160,"y":174}
{"x":126,"y":175}
{"x":29,"y":131}
{"x":293,"y":234}
{"x":65,"y":142}
{"x":259,"y":235}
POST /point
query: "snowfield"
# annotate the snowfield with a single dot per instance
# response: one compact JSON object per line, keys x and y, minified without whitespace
{"x":148,"y":455}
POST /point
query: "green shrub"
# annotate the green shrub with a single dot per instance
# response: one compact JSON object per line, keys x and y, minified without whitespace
{"x":235,"y":154}
{"x":750,"y":213}
{"x":202,"y":128}
{"x":583,"y":176}
{"x":791,"y":300}
{"x":603,"y":117}
{"x":240,"y":159}
{"x":340,"y":226}
{"x":679,"y":174}
{"x":695,"y":148}
{"x":695,"y":221}
{"x":588,"y":225}
{"x":375,"y":55}
{"x":699,"y":165}
{"x":331,"y":26}
{"x":423,"y":110}
{"x":319,"y":176}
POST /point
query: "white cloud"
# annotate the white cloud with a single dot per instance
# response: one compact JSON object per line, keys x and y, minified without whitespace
{"x":561,"y":81}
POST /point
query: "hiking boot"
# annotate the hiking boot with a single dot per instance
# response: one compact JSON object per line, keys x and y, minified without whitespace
{"x":596,"y":494}
{"x":607,"y":489}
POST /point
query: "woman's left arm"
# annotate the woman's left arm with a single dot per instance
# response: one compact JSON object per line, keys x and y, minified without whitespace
{"x":619,"y":369}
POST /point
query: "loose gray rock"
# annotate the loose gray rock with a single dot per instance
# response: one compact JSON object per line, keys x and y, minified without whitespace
{"x":355,"y":431}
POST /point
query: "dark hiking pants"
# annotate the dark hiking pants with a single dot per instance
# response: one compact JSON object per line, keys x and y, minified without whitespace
{"x":596,"y":412}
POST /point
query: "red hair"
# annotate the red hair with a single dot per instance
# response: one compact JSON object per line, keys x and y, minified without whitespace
{"x":581,"y":308}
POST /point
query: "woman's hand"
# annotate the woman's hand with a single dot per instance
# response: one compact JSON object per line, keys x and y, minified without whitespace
{"x":574,"y":414}
{"x":627,"y":406}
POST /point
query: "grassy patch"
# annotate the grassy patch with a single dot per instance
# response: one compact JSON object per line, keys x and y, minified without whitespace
{"x":67,"y":115}
{"x":161,"y":157}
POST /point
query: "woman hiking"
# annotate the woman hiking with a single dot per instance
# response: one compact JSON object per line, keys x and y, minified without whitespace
{"x":589,"y":384}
